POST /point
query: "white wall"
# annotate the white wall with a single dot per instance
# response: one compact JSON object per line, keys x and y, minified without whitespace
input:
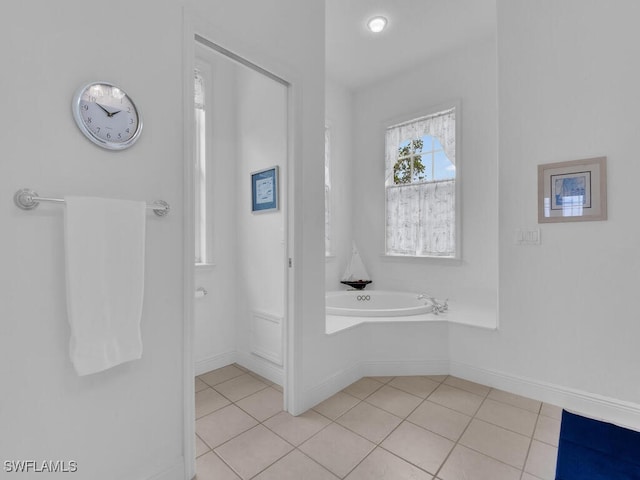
{"x":467,"y":75}
{"x":410,"y":348}
{"x":133,"y":412}
{"x":126,"y":423}
{"x":567,"y":83}
{"x":261,"y":144}
{"x":339,"y":116}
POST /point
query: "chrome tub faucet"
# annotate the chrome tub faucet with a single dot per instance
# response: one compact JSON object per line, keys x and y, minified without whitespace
{"x":437,"y":306}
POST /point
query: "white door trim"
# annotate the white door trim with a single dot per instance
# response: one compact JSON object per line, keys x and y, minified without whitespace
{"x":188,"y":250}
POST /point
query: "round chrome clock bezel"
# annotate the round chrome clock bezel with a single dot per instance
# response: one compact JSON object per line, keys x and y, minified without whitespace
{"x":75,"y":107}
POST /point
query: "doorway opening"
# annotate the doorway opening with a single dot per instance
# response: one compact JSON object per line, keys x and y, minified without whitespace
{"x":237,"y":128}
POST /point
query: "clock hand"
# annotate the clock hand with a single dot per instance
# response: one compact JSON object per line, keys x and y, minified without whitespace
{"x":104,"y":109}
{"x":109,"y":114}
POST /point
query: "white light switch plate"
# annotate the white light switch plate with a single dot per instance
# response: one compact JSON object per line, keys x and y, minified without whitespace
{"x":527,"y":236}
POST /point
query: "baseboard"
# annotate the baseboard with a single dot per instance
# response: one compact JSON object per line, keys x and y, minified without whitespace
{"x":256,"y":364}
{"x":261,"y":366}
{"x":330,"y":386}
{"x":174,"y":472}
{"x":619,"y":412}
{"x":345,"y":377}
{"x":214,"y":362}
{"x":388,"y":368}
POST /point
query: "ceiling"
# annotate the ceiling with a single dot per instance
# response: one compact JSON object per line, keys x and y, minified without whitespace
{"x":416,"y":31}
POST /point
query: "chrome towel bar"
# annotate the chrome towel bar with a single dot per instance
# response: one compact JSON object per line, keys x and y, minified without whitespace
{"x":27,"y":199}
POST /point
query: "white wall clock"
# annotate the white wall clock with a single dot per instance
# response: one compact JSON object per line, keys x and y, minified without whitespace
{"x":106,"y":115}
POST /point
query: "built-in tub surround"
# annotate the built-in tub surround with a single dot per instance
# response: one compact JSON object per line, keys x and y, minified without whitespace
{"x":346,"y":309}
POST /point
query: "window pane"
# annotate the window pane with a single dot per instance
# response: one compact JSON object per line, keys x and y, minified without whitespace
{"x":436,"y":145}
{"x":422,"y":168}
{"x":200,"y":173}
{"x":420,"y":201}
{"x":443,"y":168}
{"x":402,"y":171}
{"x":426,"y":144}
{"x":327,"y":191}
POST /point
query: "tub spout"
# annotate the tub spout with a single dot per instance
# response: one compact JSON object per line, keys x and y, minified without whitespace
{"x":440,"y":307}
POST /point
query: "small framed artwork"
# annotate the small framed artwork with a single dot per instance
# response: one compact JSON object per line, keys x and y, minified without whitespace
{"x":574,"y":191}
{"x":264,"y":190}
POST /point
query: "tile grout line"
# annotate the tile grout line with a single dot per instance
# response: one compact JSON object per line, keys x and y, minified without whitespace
{"x":526,"y":458}
{"x":331,"y":421}
{"x":402,"y":420}
{"x":379,"y":444}
{"x":207,"y":445}
{"x":344,"y":413}
{"x":375,"y":444}
{"x":223,"y":461}
{"x":360,"y":400}
{"x":522,"y":470}
{"x":235,"y":436}
{"x":293,"y":447}
{"x":443,"y":382}
{"x":457,"y":442}
{"x":474,"y":416}
{"x":226,"y":380}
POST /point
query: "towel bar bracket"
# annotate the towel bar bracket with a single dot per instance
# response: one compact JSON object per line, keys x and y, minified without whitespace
{"x":24,"y":199}
{"x":27,"y":199}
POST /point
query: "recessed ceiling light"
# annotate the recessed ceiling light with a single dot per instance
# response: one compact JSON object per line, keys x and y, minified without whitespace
{"x":377,"y":24}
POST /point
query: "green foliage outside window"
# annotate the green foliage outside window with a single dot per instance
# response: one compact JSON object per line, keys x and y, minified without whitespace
{"x":402,"y":169}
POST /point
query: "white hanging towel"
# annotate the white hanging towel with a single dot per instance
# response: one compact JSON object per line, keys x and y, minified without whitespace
{"x":104,"y":245}
{"x":355,"y":270}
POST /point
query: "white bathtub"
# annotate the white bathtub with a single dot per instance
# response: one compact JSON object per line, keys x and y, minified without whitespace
{"x":345,"y":309}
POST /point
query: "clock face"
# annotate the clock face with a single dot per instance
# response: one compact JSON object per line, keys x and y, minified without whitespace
{"x":107,"y":116}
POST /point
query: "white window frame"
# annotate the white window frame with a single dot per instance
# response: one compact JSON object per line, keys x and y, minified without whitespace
{"x":408,"y":118}
{"x":328,"y":198}
{"x":202,"y":171}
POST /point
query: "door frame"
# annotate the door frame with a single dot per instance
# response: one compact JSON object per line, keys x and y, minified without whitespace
{"x":194,"y":26}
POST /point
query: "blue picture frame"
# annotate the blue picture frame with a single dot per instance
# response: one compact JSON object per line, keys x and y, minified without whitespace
{"x":264,"y":190}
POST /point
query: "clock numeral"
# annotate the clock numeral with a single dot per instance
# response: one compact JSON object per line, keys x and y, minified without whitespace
{"x":97,"y":129}
{"x":127,"y":130}
{"x":92,"y":99}
{"x":119,"y":136}
{"x":89,"y":120}
{"x":128,"y":109}
{"x":85,"y":107}
{"x":108,"y":135}
{"x":131,"y":121}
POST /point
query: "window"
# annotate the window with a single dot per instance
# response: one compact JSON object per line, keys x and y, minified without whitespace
{"x":327,"y":192}
{"x":200,"y":169}
{"x":420,"y":183}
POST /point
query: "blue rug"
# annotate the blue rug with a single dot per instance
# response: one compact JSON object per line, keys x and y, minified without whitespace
{"x":594,"y":450}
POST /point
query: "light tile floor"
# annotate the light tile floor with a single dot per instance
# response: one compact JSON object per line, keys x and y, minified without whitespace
{"x":383,"y":428}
